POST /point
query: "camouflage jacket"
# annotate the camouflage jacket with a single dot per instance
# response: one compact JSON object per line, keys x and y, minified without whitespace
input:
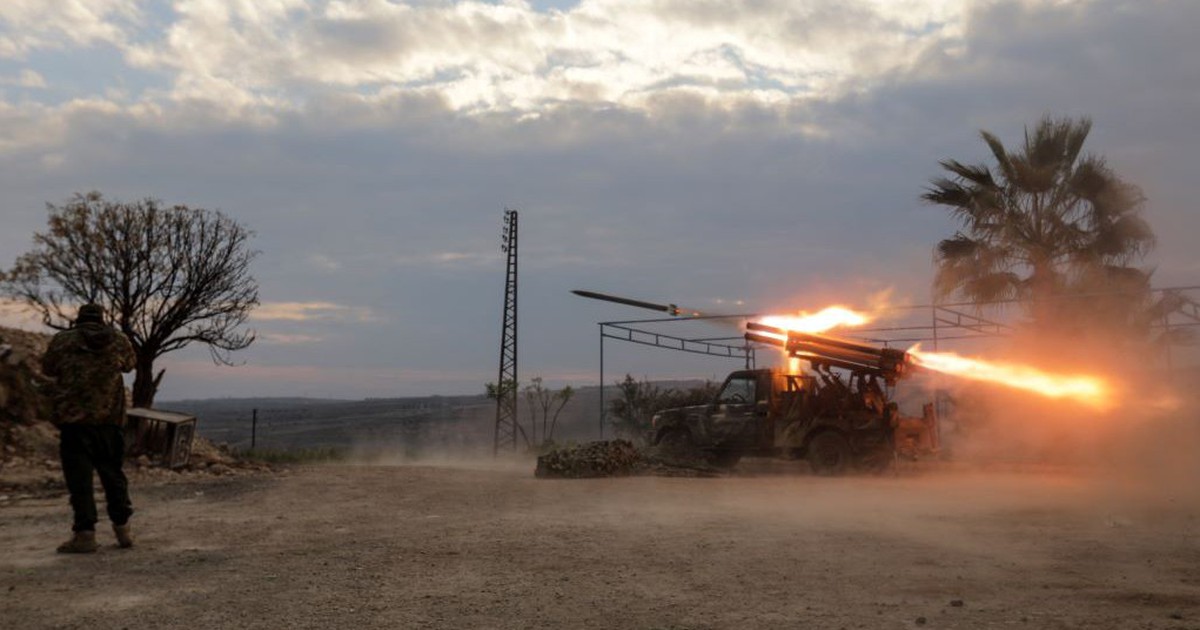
{"x":86,"y":364}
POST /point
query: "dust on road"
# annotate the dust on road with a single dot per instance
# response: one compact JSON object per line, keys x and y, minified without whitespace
{"x":491,"y":547}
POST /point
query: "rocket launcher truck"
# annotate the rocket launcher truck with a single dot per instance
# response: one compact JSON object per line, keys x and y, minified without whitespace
{"x":838,"y":416}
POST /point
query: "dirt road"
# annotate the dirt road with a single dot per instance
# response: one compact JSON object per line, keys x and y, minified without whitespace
{"x":454,"y":547}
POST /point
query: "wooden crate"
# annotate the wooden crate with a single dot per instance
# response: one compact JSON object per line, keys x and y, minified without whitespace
{"x":163,"y":436}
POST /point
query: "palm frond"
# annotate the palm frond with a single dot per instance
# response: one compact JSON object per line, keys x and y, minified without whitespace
{"x":957,"y":247}
{"x":993,"y":287}
{"x":947,"y":192}
{"x":1000,"y":154}
{"x":1127,"y":236}
{"x":1076,"y":136}
{"x":979,"y":175}
{"x":1090,"y":178}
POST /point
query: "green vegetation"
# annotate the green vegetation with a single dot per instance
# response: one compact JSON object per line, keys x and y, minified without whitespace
{"x":638,"y":401}
{"x":1051,"y":227}
{"x":543,"y":404}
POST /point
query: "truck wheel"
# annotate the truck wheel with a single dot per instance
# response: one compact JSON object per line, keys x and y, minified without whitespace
{"x":829,"y":454}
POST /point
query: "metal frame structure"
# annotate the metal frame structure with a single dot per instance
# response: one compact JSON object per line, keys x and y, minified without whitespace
{"x":506,"y":381}
{"x":629,"y":331}
{"x":948,"y":322}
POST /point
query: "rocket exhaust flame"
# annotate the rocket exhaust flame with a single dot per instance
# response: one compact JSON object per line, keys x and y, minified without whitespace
{"x":801,"y":337}
{"x":1090,"y":390}
{"x":779,"y":329}
{"x":821,"y":321}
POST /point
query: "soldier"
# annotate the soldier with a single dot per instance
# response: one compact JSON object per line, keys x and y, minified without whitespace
{"x":88,"y":402}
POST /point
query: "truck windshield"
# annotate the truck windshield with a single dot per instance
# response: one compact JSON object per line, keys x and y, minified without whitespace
{"x":738,"y":391}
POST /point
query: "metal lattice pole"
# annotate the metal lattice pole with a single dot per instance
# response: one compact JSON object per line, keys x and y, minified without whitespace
{"x":506,"y":382}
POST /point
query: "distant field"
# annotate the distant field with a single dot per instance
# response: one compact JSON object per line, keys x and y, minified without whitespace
{"x":284,"y":424}
{"x":413,"y":426}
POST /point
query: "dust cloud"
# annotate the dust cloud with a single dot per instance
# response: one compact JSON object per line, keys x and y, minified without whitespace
{"x":1143,"y":447}
{"x":1008,"y":457}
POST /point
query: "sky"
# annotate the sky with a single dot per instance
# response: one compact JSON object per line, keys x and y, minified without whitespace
{"x":763,"y":155}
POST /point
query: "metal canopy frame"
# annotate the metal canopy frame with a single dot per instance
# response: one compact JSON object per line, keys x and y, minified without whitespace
{"x":636,"y":331}
{"x":713,"y":346}
{"x":957,"y":321}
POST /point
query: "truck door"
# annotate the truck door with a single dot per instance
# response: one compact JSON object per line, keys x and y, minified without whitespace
{"x":736,"y":421}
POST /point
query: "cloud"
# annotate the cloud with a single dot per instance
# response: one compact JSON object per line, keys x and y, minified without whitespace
{"x":312,"y":311}
{"x":284,"y":339}
{"x":766,"y":152}
{"x":271,"y":64}
{"x":479,"y":56}
{"x":26,"y":78}
{"x":30,"y":25}
{"x":448,"y":260}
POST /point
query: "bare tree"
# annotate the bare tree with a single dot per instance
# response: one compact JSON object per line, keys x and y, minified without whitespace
{"x":168,"y":277}
{"x":545,"y":404}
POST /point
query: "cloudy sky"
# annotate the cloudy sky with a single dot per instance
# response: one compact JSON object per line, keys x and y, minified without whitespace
{"x":754,"y":155}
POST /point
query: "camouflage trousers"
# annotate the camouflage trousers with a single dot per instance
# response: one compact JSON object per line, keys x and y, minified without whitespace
{"x":84,"y":448}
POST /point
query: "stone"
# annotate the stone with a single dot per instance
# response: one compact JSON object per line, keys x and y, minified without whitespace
{"x":595,"y":459}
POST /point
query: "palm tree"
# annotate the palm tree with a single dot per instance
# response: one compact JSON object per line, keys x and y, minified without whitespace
{"x":1044,"y":223}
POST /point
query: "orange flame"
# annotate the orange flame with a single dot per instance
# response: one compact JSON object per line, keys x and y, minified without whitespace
{"x":1086,"y":389}
{"x":826,"y":319}
{"x":821,"y":321}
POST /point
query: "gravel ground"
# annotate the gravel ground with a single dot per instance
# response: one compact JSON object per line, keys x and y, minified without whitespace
{"x":456,"y":546}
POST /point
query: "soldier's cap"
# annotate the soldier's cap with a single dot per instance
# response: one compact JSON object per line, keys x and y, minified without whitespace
{"x":90,"y":313}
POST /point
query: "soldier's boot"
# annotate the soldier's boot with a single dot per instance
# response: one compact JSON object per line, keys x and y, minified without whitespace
{"x":80,"y":542}
{"x":124,"y":538}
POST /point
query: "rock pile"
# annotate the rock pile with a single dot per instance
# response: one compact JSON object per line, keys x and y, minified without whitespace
{"x":219,"y":459}
{"x":617,"y":458}
{"x":20,"y":375}
{"x":611,"y":458}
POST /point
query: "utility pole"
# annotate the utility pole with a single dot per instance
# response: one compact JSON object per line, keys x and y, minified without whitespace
{"x":506,"y":382}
